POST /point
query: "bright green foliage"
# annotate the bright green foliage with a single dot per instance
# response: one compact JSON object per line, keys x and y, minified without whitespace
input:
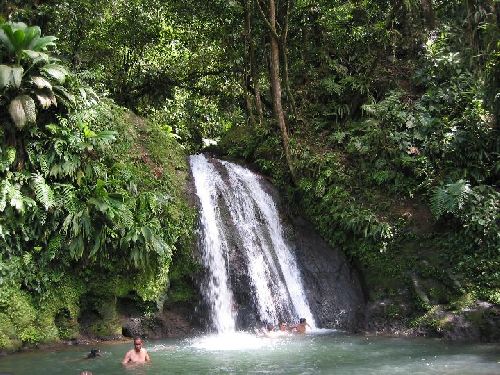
{"x":81,"y":194}
{"x":153,"y":57}
{"x":31,"y":73}
{"x":392,"y":110}
{"x":81,"y":205}
{"x":450,"y":199}
{"x":396,"y":148}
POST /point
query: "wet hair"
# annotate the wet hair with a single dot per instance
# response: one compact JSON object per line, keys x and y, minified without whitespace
{"x":269,"y":326}
{"x":302,"y":320}
{"x":93,"y":353}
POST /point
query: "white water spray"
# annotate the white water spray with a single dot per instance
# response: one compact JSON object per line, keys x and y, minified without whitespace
{"x":274,"y":276}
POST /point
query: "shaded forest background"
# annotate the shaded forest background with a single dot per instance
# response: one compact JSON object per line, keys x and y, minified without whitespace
{"x":378,"y":121}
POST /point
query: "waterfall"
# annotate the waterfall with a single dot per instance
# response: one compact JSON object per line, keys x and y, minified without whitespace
{"x":233,"y":196}
{"x":213,"y":243}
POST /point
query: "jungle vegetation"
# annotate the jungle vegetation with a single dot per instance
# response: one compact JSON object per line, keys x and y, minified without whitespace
{"x":378,"y":120}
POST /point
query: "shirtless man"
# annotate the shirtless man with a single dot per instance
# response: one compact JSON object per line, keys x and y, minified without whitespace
{"x":301,"y":327}
{"x":136,"y":355}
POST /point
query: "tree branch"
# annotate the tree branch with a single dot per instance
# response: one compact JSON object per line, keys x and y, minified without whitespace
{"x":271,"y":29}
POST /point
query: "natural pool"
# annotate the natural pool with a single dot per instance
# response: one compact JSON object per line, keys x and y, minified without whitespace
{"x":323,"y":352}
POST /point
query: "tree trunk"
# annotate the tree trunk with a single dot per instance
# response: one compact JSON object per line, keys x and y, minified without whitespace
{"x":253,"y":65}
{"x":276,"y":86}
{"x":471,"y":25}
{"x":255,"y":81}
{"x":248,"y":63}
{"x":284,"y":50}
{"x":430,"y":20}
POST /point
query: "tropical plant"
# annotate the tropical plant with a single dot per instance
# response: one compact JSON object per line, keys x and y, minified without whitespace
{"x":30,"y":73}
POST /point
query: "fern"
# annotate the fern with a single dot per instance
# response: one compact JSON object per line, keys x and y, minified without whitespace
{"x":11,"y":194}
{"x":44,"y":164}
{"x":54,"y":246}
{"x":449,"y":198}
{"x":125,"y":216}
{"x":3,"y":195}
{"x":65,"y":197}
{"x":7,"y":157}
{"x":42,"y":218}
{"x":70,"y":166}
{"x":60,"y":146}
{"x":66,"y":169}
{"x":43,"y":192}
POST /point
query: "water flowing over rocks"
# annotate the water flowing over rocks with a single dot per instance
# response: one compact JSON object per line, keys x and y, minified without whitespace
{"x":261,"y":265}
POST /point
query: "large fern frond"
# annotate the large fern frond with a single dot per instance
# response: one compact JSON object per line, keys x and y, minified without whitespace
{"x":65,"y":197}
{"x":449,"y":198}
{"x":43,"y":192}
{"x":11,"y":194}
{"x":44,"y":164}
{"x":68,"y":168}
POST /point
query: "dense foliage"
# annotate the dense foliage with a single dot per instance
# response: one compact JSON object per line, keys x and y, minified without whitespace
{"x":395,"y":143}
{"x":377,"y":119}
{"x":81,"y":215}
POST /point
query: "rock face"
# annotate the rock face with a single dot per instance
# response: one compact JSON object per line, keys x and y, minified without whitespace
{"x":332,"y":285}
{"x":478,"y":322}
{"x":174,"y":322}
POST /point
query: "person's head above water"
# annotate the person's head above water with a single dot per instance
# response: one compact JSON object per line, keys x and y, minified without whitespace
{"x":302,"y":320}
{"x":94,"y":353}
{"x":137,"y":344}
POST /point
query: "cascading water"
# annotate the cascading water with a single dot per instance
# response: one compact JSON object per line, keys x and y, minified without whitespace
{"x":231,"y":193}
{"x":214,"y":247}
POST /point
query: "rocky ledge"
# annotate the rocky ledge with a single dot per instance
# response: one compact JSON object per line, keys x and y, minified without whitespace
{"x":478,"y":322}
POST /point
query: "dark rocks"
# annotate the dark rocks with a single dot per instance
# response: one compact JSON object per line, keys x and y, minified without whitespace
{"x":332,"y":285}
{"x":479,"y":322}
{"x":169,"y":323}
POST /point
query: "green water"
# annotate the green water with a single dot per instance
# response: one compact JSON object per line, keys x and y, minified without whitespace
{"x":325,"y":353}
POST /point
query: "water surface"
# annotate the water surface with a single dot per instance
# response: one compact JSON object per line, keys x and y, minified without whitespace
{"x":324,"y":352}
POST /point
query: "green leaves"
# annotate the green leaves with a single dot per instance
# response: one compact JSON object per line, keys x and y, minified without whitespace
{"x":22,"y":110}
{"x":450,"y":198}
{"x":11,"y":194}
{"x":31,"y":66}
{"x":41,"y":83}
{"x":56,"y":72}
{"x":10,"y":76}
{"x":43,"y":192}
{"x":17,"y":37}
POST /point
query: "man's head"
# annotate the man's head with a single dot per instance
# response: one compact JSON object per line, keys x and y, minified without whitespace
{"x":302,"y":320}
{"x":137,"y":344}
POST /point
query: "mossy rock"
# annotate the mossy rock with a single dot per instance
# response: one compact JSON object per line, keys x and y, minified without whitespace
{"x":106,"y":328}
{"x":8,"y":339}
